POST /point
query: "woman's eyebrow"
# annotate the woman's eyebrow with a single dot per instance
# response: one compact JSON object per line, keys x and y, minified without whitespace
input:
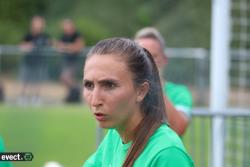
{"x":102,"y":80}
{"x":109,"y":80}
{"x":86,"y":80}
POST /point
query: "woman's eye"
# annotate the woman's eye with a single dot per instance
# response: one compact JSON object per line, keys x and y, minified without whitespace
{"x":88,"y":85}
{"x":109,"y":85}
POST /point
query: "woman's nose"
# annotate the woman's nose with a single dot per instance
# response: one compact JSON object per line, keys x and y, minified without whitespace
{"x":96,"y":100}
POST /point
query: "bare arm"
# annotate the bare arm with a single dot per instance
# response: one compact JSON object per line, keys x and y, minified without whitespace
{"x":71,"y":47}
{"x":26,"y":46}
{"x":177,"y":119}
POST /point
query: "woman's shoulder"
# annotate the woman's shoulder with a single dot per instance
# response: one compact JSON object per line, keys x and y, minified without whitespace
{"x":162,"y":144}
{"x":166,"y":137}
{"x":172,"y":156}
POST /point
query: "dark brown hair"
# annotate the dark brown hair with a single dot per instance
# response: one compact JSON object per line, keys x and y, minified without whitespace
{"x":143,"y":69}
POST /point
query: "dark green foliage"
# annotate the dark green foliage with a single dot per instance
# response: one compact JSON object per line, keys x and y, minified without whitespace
{"x":183,"y":23}
{"x":15,"y":16}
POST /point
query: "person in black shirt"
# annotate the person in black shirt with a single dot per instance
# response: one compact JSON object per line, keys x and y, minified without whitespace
{"x":1,"y":91}
{"x":70,"y":45}
{"x":33,"y":69}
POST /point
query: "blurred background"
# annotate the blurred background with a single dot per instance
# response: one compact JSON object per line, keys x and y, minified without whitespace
{"x":36,"y":117}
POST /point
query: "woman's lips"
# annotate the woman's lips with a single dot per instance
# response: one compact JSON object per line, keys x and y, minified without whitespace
{"x":100,"y":116}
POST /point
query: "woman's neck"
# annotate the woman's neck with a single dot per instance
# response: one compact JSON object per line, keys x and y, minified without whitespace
{"x":127,"y":131}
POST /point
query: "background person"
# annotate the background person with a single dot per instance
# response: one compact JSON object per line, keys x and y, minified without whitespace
{"x":70,"y":44}
{"x":33,"y":69}
{"x":178,"y":99}
{"x":2,"y":93}
{"x":123,"y":89}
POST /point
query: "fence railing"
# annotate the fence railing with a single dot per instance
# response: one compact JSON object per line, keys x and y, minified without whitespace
{"x":188,"y":66}
{"x":236,"y":137}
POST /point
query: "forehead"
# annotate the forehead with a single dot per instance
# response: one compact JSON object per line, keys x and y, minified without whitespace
{"x":67,"y":24}
{"x":37,"y":20}
{"x":106,"y":66}
{"x":152,"y":45}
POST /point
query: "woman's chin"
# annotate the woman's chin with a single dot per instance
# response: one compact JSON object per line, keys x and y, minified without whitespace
{"x":105,"y":125}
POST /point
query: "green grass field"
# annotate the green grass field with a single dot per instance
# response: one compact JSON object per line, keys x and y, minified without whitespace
{"x":66,"y":134}
{"x":60,"y":133}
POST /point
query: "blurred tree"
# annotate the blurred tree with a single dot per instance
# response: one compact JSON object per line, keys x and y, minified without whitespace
{"x":16,"y":13}
{"x":184,"y":23}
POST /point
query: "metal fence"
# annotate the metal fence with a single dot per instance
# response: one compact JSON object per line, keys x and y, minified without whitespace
{"x":188,"y":66}
{"x":236,"y":137}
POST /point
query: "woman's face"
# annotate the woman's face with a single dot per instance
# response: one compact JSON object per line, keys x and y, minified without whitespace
{"x":110,"y":92}
{"x":154,"y":47}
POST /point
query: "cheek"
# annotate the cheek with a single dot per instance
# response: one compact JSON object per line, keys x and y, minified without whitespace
{"x":157,"y":60}
{"x":86,"y":96}
{"x":118,"y":105}
{"x":163,"y":60}
{"x":123,"y":102}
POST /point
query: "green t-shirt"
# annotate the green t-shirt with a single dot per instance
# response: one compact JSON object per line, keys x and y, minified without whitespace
{"x":180,"y":96}
{"x":164,"y":149}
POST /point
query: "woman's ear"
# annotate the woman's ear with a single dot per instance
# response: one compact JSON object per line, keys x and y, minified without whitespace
{"x":142,"y":91}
